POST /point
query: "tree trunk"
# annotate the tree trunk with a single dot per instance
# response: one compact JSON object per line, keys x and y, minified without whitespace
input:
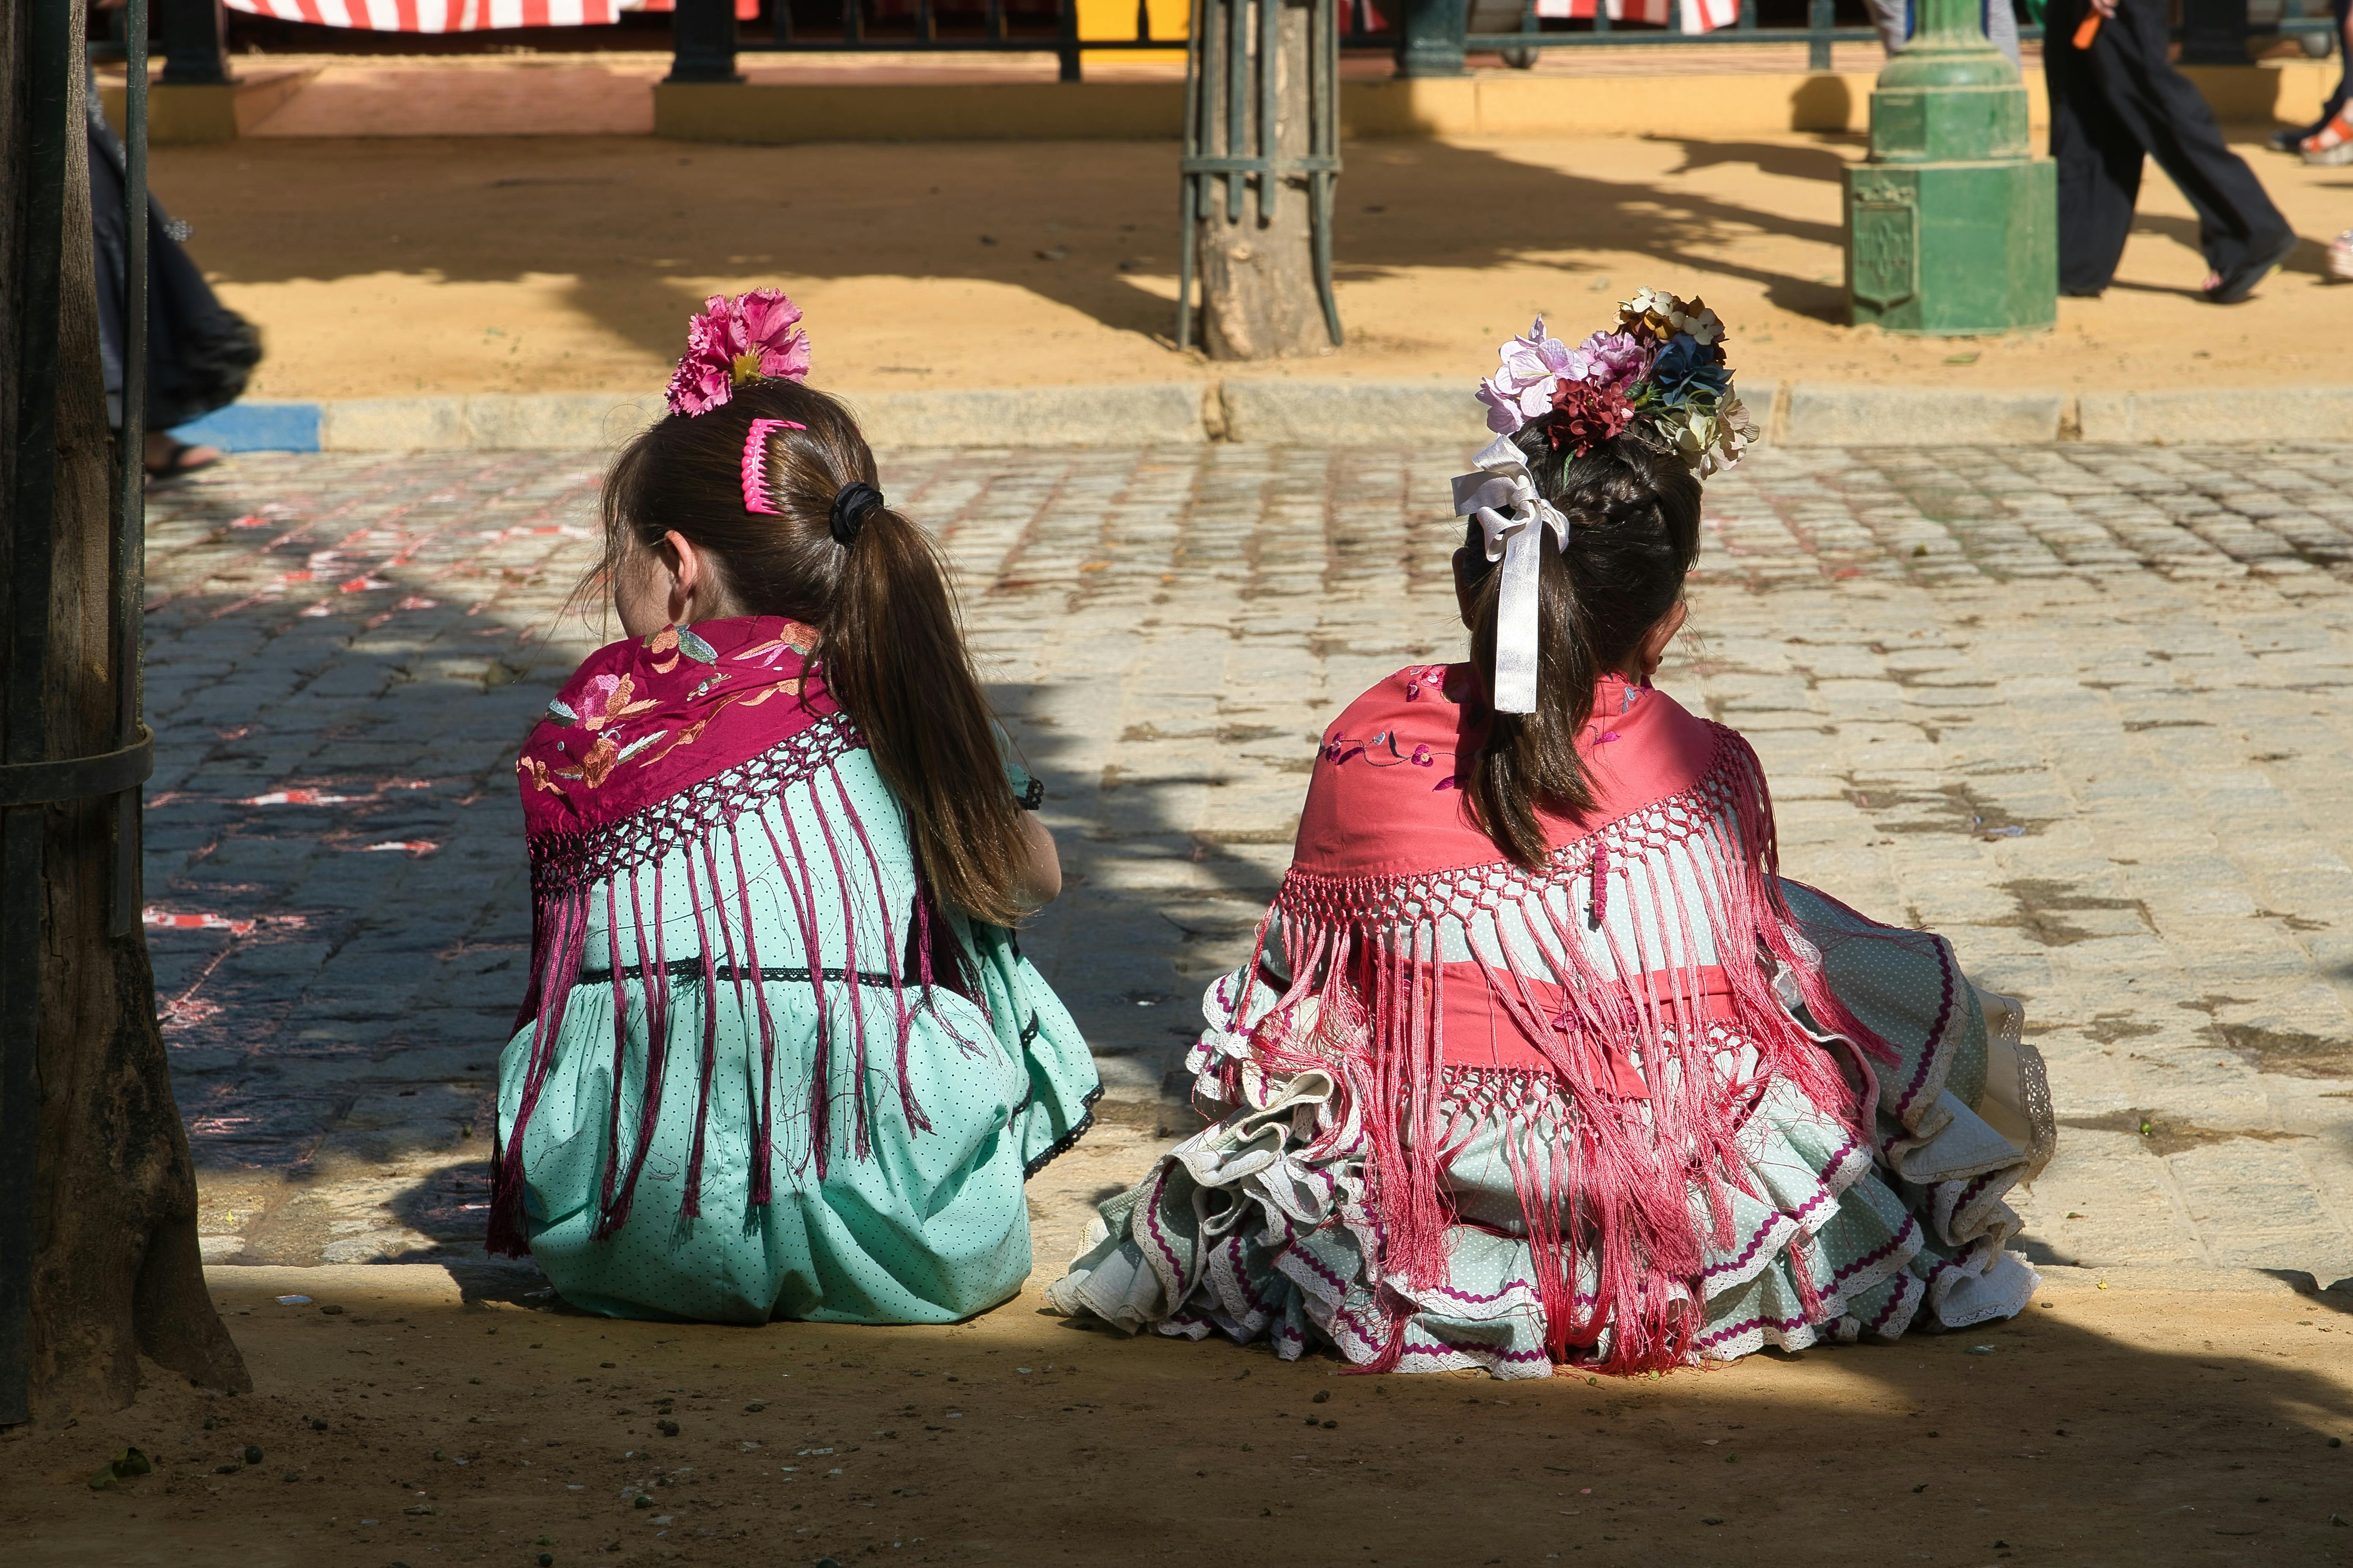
{"x":111,"y":1216}
{"x":1257,"y":273}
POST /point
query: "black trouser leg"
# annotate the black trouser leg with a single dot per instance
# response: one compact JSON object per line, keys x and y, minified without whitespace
{"x":2167,"y":116}
{"x":2099,"y":158}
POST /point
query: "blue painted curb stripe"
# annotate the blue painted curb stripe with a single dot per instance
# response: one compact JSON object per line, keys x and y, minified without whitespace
{"x":256,"y":427}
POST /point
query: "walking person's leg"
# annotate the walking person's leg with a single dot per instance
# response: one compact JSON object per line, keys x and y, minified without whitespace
{"x":2002,"y":27}
{"x":2099,"y":160}
{"x":2241,"y":233}
{"x":2329,"y":138}
{"x":1892,"y":19}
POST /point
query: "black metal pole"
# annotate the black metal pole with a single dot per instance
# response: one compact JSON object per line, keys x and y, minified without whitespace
{"x":194,"y":43}
{"x":1324,"y":142}
{"x":703,"y":42}
{"x":1067,"y":50}
{"x":1188,"y":237}
{"x":55,"y":50}
{"x":130,"y":542}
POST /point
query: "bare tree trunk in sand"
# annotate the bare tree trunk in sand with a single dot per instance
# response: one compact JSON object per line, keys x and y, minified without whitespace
{"x":102,"y":1204}
{"x":1257,"y":274}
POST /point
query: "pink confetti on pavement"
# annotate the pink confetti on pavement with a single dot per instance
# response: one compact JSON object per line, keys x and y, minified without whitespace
{"x":164,"y":920}
{"x":414,"y":603}
{"x":295,"y":797}
{"x":249,"y":521}
{"x":363,"y":585}
{"x":405,"y":846}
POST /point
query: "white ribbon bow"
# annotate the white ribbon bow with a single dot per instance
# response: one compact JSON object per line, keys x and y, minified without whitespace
{"x":1502,"y":496}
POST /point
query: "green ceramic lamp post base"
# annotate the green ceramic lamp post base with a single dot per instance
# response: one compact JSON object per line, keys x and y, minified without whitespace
{"x":1952,"y":226}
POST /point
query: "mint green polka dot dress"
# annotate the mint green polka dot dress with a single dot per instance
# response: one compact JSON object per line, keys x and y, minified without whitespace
{"x":902,"y":1121}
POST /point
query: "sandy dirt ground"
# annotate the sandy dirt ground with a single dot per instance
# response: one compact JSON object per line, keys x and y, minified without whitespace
{"x":400,"y":1416}
{"x":493,"y":264}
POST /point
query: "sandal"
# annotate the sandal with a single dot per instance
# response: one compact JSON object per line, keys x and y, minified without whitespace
{"x":179,"y":459}
{"x":2235,"y":285}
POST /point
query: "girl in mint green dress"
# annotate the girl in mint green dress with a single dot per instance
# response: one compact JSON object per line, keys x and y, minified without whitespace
{"x":781,"y":1055}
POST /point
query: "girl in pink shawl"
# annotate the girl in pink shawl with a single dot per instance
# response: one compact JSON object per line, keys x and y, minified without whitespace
{"x":781,"y":1055}
{"x":1538,"y":1060}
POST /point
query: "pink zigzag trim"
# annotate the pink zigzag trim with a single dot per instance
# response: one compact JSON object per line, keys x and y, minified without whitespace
{"x":756,"y":464}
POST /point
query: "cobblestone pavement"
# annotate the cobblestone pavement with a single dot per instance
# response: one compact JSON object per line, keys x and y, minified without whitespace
{"x":2084,"y":710}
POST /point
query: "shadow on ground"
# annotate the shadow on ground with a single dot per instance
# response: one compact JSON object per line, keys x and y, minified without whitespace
{"x":335,"y":864}
{"x":639,"y":225}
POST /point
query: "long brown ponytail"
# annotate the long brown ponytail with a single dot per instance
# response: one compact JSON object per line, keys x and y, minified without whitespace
{"x":1633,"y":516}
{"x":889,"y":638}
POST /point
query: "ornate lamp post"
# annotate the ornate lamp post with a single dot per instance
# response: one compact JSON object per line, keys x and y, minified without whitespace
{"x":1952,"y":226}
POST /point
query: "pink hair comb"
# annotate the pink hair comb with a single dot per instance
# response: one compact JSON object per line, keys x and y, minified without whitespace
{"x":756,"y":464}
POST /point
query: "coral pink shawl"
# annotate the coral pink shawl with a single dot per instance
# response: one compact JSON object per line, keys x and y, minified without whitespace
{"x":1634,"y":1037}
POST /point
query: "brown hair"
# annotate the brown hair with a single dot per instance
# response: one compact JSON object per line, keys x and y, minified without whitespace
{"x":889,"y":638}
{"x":1633,"y":517}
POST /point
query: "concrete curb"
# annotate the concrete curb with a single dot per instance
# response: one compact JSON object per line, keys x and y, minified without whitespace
{"x":1146,"y":413}
{"x":1295,"y":413}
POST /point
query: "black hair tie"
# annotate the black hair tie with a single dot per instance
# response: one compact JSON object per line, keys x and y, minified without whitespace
{"x":850,"y":505}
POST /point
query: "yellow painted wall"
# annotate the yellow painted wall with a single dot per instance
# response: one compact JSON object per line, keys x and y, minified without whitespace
{"x":1501,"y":104}
{"x":1117,"y":19}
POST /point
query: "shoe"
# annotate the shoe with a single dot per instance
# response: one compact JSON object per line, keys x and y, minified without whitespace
{"x":2330,"y":146}
{"x":2288,"y":140}
{"x":2241,"y":280}
{"x":2340,"y":258}
{"x":183,"y":459}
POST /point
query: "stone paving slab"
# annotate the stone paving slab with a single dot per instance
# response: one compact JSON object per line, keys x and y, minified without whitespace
{"x":2082,"y":709}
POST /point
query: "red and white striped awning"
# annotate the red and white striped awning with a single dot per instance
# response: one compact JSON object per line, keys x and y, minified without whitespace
{"x":1698,"y":16}
{"x":460,"y":15}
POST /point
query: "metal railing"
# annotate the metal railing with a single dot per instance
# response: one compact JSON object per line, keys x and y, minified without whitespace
{"x":1429,"y":37}
{"x":706,"y":42}
{"x":1433,"y":38}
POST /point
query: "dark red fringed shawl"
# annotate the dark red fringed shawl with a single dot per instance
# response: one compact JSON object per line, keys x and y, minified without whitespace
{"x":664,"y":745}
{"x":1387,"y":856}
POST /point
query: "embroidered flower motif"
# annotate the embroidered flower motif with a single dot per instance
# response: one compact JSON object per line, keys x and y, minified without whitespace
{"x":1422,"y":677}
{"x":752,"y":337}
{"x":1421,"y":756}
{"x":788,"y":687}
{"x":598,"y":764}
{"x":676,"y":641}
{"x":602,"y":701}
{"x":794,"y":638}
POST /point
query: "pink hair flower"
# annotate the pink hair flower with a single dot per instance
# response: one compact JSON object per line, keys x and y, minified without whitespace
{"x":1522,"y":387}
{"x":754,"y":337}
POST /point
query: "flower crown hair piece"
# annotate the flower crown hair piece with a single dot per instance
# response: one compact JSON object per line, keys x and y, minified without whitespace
{"x":1659,"y":375}
{"x":752,"y":337}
